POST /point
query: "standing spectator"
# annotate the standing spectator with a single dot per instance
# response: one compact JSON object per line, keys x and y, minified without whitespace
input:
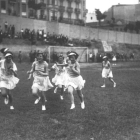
{"x":13,"y":31}
{"x":34,"y":55}
{"x":31,"y":56}
{"x":22,"y":33}
{"x":91,"y":57}
{"x":55,"y":57}
{"x":1,"y":36}
{"x":40,"y":34}
{"x":19,"y":57}
{"x":6,"y":25}
{"x":33,"y":37}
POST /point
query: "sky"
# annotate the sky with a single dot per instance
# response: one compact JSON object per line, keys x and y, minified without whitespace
{"x":104,"y":5}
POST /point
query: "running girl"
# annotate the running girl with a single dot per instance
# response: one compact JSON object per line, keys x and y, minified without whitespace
{"x":58,"y":80}
{"x":74,"y":80}
{"x":8,"y":78}
{"x":41,"y":81}
{"x":107,"y":71}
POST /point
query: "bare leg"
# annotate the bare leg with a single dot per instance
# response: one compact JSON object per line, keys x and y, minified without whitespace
{"x":61,"y":87}
{"x":36,"y":95}
{"x":43,"y":98}
{"x":103,"y":83}
{"x":10,"y":98}
{"x":114,"y":84}
{"x":70,"y":91}
{"x":79,"y":92}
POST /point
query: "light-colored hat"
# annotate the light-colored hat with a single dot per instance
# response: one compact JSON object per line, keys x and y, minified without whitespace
{"x":8,"y":54}
{"x":4,"y":50}
{"x":72,"y":53}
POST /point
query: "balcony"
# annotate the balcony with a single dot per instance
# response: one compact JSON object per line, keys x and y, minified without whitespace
{"x":77,"y":1}
{"x":77,"y":10}
{"x":61,"y":8}
{"x":52,"y":7}
{"x":69,"y":10}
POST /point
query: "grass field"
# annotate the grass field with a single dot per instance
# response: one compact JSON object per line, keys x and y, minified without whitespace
{"x":110,"y":113}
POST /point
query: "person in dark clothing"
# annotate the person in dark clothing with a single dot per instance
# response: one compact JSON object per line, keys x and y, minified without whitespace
{"x":19,"y":57}
{"x":1,"y":36}
{"x":13,"y":31}
{"x":31,"y":56}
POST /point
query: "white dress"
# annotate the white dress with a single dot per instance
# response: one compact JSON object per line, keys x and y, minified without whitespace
{"x":40,"y":82}
{"x":59,"y":78}
{"x":7,"y":79}
{"x":72,"y":79}
{"x":107,"y":72}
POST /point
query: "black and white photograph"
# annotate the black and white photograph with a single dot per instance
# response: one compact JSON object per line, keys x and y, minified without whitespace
{"x":69,"y":70}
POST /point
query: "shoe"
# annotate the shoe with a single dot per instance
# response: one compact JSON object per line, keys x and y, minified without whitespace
{"x":11,"y":108}
{"x":61,"y":97}
{"x":83,"y":105}
{"x":103,"y":86}
{"x":37,"y":100}
{"x":43,"y":107}
{"x":55,"y":90}
{"x":6,"y":100}
{"x":72,"y":106}
{"x":114,"y":85}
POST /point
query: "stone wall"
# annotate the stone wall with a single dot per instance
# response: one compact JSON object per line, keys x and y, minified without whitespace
{"x":72,"y":31}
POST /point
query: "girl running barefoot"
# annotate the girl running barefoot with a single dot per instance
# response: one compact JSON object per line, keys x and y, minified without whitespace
{"x":74,"y":80}
{"x":58,"y":80}
{"x":107,"y":71}
{"x":8,"y":79}
{"x":41,"y":81}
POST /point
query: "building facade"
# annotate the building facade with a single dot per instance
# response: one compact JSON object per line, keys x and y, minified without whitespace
{"x":91,"y":17}
{"x":70,"y":11}
{"x":123,"y":14}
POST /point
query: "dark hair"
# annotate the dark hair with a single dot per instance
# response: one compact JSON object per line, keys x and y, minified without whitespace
{"x":3,"y":50}
{"x":42,"y":55}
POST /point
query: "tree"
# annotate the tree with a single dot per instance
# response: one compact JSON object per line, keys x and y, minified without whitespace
{"x":99,"y":15}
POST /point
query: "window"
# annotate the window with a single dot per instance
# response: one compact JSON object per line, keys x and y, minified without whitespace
{"x":31,"y":13}
{"x":53,"y":2}
{"x":77,"y":6}
{"x":61,"y":3}
{"x":77,"y":16}
{"x":23,"y":7}
{"x":3,"y":5}
{"x":69,"y":15}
